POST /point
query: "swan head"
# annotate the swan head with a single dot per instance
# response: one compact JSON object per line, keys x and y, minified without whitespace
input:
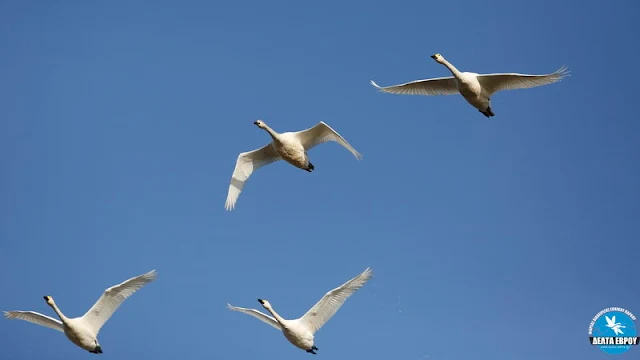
{"x":265,"y":304}
{"x":260,"y":124}
{"x":438,"y":58}
{"x":49,"y":300}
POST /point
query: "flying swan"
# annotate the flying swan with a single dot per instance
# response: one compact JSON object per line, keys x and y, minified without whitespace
{"x":300,"y":331}
{"x":83,"y":331}
{"x":291,"y":147}
{"x":477,"y":89}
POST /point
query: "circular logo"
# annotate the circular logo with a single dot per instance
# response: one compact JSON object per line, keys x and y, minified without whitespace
{"x":613,"y":330}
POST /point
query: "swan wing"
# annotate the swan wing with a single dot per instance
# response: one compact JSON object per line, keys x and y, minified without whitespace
{"x":610,"y":322}
{"x":112,"y":298}
{"x":429,"y":87}
{"x":255,"y":313}
{"x":246,"y":164}
{"x":493,"y":83}
{"x":36,"y":318}
{"x":321,"y":133}
{"x":324,"y":309}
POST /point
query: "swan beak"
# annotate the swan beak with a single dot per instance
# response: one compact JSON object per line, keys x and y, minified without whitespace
{"x":261,"y":301}
{"x":433,"y":57}
{"x":46,"y":298}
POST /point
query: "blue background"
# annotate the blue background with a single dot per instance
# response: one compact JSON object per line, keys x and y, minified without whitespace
{"x":120,"y":124}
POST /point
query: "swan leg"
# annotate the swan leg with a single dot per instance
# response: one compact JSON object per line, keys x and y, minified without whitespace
{"x":311,"y":351}
{"x":310,"y":167}
{"x":488,"y":113}
{"x":314,"y":348}
{"x":97,"y":349}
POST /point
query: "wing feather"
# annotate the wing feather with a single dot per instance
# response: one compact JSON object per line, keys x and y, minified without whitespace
{"x":324,"y":309}
{"x":429,"y":87}
{"x":321,"y":133}
{"x":36,"y":318}
{"x":257,"y":314}
{"x":112,"y":298}
{"x":493,"y":83}
{"x":246,"y":164}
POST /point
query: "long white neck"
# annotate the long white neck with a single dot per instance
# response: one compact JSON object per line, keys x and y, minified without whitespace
{"x":451,"y":68}
{"x":63,"y":318}
{"x":275,"y":315}
{"x":274,"y":135}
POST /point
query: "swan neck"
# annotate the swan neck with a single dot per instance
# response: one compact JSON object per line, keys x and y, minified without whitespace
{"x":451,"y":68}
{"x":271,"y":132}
{"x":276,"y":316}
{"x":59,"y":313}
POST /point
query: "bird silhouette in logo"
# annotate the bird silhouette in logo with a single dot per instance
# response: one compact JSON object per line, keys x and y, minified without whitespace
{"x":613,"y":325}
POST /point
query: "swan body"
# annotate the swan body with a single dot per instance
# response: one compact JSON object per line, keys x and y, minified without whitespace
{"x":477,"y":89}
{"x":291,"y":147}
{"x":83,"y":331}
{"x":300,"y":332}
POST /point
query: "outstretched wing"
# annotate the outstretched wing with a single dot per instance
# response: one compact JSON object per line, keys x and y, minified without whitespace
{"x":36,"y":318}
{"x":321,"y":133}
{"x":246,"y":164}
{"x":493,"y":83}
{"x":610,"y":322}
{"x":255,"y":313}
{"x":324,"y":309}
{"x":429,"y":87}
{"x":112,"y":298}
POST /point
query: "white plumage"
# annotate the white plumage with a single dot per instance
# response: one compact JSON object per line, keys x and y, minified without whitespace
{"x":300,"y":332}
{"x":477,"y":89}
{"x":289,"y":146}
{"x":83,"y":331}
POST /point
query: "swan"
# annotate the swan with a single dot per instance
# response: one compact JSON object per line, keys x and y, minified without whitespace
{"x":291,"y":147}
{"x":300,"y":331}
{"x":477,"y":89}
{"x":83,"y":331}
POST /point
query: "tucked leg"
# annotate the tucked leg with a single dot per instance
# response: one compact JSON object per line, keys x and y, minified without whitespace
{"x":488,"y":112}
{"x":310,"y":167}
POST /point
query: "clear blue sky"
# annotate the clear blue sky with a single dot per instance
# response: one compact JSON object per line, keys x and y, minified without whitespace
{"x":500,"y":238}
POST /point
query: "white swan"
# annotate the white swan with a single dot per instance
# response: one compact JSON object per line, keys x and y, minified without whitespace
{"x":291,"y":147}
{"x":475,"y":88}
{"x":300,"y":331}
{"x":83,"y":331}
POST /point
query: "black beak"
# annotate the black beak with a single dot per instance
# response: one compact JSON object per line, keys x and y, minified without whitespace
{"x":255,"y":122}
{"x":261,"y":301}
{"x":433,"y":57}
{"x":46,"y":298}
